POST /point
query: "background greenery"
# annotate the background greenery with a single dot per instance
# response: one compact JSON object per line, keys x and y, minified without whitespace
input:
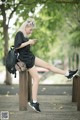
{"x":58,"y":26}
{"x":57,"y":30}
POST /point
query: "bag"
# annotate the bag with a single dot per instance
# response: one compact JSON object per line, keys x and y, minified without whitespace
{"x":11,"y":60}
{"x":20,"y":66}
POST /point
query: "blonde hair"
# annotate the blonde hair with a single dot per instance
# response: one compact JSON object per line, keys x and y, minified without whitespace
{"x":27,"y":23}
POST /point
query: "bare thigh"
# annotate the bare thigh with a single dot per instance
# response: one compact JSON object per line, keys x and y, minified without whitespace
{"x":41,"y":63}
{"x":48,"y":66}
{"x":33,"y":72}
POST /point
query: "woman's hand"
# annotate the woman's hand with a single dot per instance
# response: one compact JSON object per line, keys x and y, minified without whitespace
{"x":32,"y":41}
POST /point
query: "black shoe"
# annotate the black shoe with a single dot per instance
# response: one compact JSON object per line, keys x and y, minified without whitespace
{"x":71,"y":73}
{"x":35,"y":106}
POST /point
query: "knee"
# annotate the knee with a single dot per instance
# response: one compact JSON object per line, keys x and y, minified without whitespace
{"x":36,"y":79}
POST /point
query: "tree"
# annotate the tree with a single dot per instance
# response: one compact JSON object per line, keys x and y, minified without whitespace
{"x":7,"y":10}
{"x":59,"y":30}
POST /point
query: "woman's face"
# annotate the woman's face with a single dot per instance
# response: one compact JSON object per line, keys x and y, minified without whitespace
{"x":29,"y":30}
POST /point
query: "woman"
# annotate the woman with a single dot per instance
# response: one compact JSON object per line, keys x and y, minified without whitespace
{"x":22,"y":44}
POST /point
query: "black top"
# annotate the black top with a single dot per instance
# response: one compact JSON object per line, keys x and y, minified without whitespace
{"x":25,"y":54}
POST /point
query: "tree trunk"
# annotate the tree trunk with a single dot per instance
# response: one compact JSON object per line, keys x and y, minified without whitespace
{"x":8,"y":79}
{"x":6,"y":38}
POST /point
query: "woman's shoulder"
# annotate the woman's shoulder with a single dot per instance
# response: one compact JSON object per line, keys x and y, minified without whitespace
{"x":19,"y":33}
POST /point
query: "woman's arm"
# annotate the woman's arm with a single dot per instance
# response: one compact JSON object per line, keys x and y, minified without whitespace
{"x":31,"y":42}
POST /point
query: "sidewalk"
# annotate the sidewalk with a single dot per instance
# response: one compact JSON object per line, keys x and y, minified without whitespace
{"x":43,"y":89}
{"x":53,"y":107}
{"x":55,"y":103}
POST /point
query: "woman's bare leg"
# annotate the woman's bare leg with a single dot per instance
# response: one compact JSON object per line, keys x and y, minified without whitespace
{"x":48,"y":66}
{"x":34,"y":74}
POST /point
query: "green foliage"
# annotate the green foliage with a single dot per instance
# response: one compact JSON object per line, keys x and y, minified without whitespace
{"x":75,"y":41}
{"x":58,"y":26}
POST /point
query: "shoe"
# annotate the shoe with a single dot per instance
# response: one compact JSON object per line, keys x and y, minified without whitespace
{"x":71,"y":74}
{"x":34,"y":106}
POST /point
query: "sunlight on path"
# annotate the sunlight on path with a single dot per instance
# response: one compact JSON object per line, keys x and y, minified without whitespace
{"x":51,"y":79}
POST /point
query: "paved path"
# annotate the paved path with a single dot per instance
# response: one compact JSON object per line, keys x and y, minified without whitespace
{"x":53,"y":107}
{"x":43,"y":89}
{"x":55,"y":103}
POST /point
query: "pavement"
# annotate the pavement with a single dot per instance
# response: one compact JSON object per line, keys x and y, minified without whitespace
{"x":55,"y":107}
{"x":55,"y":104}
{"x":43,"y":89}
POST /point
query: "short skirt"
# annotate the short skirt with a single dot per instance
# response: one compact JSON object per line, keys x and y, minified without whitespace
{"x":28,"y":59}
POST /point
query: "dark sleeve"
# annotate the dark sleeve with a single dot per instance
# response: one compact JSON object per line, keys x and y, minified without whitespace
{"x":19,"y":38}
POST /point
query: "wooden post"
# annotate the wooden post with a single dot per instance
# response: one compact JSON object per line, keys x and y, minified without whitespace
{"x":25,"y":85}
{"x":74,"y":89}
{"x":78,"y":95}
{"x":23,"y":90}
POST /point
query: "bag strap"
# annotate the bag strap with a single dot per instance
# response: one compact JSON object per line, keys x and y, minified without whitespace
{"x":15,"y":75}
{"x":19,"y":66}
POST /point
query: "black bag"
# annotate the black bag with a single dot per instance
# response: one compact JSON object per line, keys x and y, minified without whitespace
{"x":11,"y":60}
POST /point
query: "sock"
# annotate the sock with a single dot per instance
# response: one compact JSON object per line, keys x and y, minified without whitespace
{"x":67,"y":73}
{"x":34,"y":101}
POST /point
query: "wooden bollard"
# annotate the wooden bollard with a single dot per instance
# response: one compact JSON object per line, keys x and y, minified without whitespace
{"x":25,"y":85}
{"x":25,"y":89}
{"x":78,"y":95}
{"x":74,"y":89}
